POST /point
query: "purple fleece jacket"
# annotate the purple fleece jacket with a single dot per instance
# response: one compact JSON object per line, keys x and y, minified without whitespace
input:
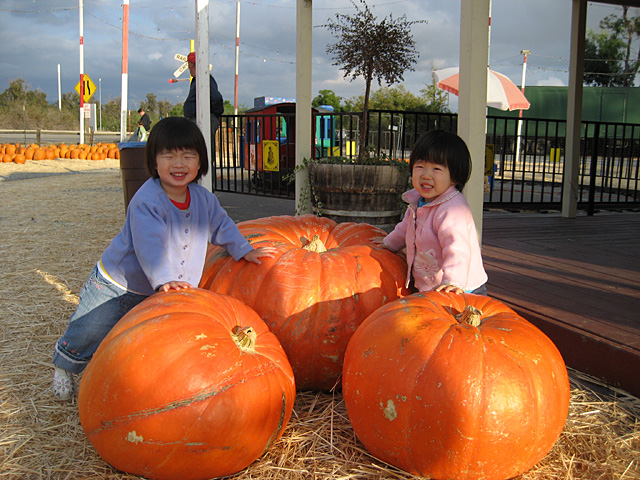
{"x":160,"y":243}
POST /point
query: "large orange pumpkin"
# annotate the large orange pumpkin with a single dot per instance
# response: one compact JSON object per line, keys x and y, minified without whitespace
{"x":40,"y":154}
{"x":189,"y":385}
{"x":113,"y":152}
{"x":455,"y":386}
{"x":325,"y":279}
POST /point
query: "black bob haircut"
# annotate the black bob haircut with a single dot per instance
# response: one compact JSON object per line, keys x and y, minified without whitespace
{"x":444,"y":148}
{"x":176,"y":133}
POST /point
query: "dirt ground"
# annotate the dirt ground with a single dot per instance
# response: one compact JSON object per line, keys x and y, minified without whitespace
{"x":43,"y":168}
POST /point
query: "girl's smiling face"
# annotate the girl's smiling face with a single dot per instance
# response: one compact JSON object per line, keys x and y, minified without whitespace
{"x":177,"y":169}
{"x":430,"y":179}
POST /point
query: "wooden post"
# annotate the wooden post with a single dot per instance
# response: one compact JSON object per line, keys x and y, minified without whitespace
{"x":203,"y":105}
{"x":574,"y":110}
{"x":304,"y":143}
{"x":472,"y":105}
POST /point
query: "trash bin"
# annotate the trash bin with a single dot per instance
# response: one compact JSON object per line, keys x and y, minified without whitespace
{"x":133,"y":167}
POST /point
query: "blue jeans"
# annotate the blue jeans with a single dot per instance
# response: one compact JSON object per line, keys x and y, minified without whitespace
{"x":101,"y":305}
{"x":481,"y":290}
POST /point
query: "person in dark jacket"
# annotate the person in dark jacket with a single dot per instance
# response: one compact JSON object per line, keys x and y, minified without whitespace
{"x":145,"y":119}
{"x":215,"y":100}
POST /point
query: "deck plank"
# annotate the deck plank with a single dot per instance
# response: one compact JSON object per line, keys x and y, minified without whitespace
{"x":576,"y":279}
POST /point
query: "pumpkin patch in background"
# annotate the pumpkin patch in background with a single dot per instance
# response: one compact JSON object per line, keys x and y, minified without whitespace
{"x":99,"y":151}
{"x":454,"y":386}
{"x":189,"y":385}
{"x":325,"y":279}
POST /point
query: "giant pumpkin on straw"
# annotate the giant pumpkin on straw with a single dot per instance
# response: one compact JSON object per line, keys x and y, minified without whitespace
{"x":325,"y":280}
{"x":189,"y":385}
{"x":454,"y":387}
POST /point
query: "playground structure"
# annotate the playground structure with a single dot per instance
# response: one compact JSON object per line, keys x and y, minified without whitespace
{"x":268,"y":140}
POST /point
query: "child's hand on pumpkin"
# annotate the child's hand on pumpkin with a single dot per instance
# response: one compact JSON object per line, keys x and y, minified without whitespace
{"x":174,"y":286}
{"x":449,"y":289}
{"x":257,"y":253}
{"x":379,"y":241}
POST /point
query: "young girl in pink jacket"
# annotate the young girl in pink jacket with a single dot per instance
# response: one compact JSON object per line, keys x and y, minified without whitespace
{"x":438,"y":231}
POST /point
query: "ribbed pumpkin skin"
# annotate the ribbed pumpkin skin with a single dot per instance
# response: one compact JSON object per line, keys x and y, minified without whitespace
{"x":447,"y":400}
{"x":169,"y":394}
{"x":312,"y":302}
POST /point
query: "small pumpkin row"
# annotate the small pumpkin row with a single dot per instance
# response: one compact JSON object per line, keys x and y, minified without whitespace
{"x":440,"y":385}
{"x":18,"y":153}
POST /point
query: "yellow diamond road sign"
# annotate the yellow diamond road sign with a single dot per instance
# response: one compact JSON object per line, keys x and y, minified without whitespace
{"x":89,"y":88}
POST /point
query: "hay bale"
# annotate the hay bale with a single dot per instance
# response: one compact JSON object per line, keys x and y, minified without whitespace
{"x":54,"y":227}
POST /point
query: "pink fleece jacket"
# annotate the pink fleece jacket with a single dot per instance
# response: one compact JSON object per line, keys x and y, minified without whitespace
{"x":441,"y":241}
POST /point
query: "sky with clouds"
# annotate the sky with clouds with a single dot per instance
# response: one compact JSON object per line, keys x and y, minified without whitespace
{"x":38,"y":35}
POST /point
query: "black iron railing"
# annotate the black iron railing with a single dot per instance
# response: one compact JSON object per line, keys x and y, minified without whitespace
{"x":524,"y":164}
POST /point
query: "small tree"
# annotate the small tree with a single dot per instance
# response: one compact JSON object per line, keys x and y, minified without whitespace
{"x":151,"y":103}
{"x":327,"y":97}
{"x":374,"y":50}
{"x":435,"y":98}
{"x":608,"y":61}
{"x":395,"y":98}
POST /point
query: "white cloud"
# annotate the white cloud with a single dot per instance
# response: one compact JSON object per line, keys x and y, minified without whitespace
{"x":551,"y":81}
{"x":160,"y":28}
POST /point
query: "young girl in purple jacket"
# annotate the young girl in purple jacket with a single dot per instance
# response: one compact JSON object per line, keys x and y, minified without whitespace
{"x":162,"y":245}
{"x":438,"y":231}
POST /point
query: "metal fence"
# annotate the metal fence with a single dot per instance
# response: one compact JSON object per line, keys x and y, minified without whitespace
{"x":524,"y":161}
{"x":255,"y":153}
{"x":526,"y":158}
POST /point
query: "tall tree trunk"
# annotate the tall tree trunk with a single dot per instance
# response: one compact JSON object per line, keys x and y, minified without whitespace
{"x":628,"y":30}
{"x":364,"y":131}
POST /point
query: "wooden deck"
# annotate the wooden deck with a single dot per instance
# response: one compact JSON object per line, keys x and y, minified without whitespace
{"x":578,"y":280}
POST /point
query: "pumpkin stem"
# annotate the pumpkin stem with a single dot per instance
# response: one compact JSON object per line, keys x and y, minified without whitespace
{"x":470,"y":316}
{"x":245,"y":338}
{"x":313,"y":245}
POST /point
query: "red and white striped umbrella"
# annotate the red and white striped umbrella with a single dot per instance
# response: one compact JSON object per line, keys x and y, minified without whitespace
{"x":502,"y":93}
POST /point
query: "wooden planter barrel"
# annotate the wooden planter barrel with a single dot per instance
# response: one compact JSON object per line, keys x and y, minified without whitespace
{"x":358,"y":193}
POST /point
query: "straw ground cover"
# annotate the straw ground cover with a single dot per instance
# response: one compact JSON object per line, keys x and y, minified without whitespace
{"x":56,"y":218}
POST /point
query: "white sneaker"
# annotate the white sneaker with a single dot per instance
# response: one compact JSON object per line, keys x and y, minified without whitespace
{"x":63,"y":384}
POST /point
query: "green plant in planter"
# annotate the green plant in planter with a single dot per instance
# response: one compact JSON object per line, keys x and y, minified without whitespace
{"x":304,"y":201}
{"x":367,"y":188}
{"x":372,"y":49}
